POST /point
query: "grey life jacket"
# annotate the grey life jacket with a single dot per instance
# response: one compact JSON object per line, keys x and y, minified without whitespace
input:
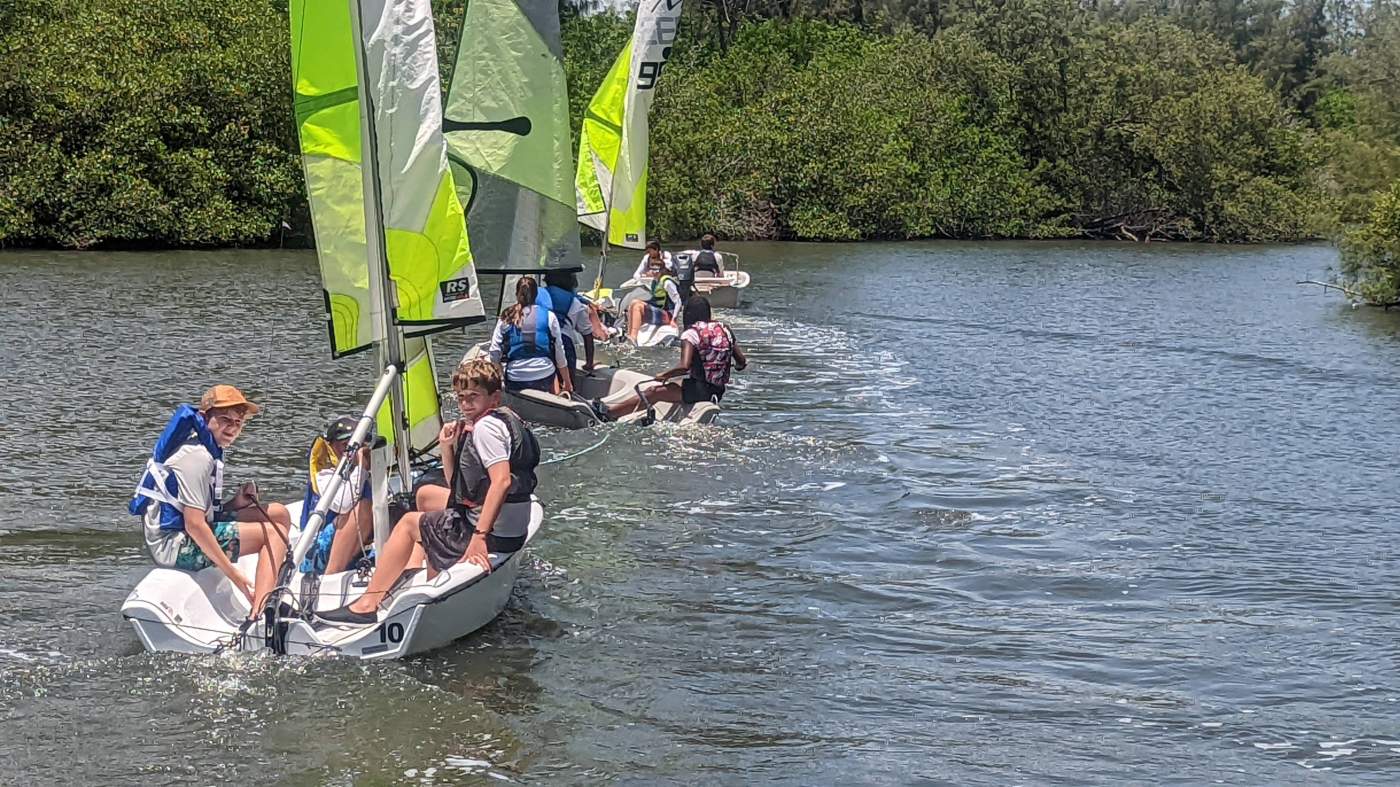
{"x":470,"y":481}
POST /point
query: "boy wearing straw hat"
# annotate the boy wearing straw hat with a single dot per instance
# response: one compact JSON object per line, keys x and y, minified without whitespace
{"x":186,"y":526}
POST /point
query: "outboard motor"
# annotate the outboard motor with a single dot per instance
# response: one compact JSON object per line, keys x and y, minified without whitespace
{"x":685,"y":274}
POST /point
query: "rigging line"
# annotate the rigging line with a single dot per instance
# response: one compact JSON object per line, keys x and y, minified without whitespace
{"x":577,"y":454}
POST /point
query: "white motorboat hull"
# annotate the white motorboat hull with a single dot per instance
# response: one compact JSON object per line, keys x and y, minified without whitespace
{"x":605,"y":382}
{"x":200,"y":612}
{"x":658,"y":336}
{"x":723,"y":292}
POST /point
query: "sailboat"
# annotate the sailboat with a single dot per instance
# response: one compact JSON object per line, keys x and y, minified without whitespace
{"x":614,"y":143}
{"x":396,"y":268}
{"x":506,"y":125}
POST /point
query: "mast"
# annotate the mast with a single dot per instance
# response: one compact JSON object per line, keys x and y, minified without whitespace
{"x":388,"y":342}
{"x":607,"y":227}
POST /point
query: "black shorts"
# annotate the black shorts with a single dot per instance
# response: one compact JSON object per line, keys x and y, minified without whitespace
{"x":446,"y":535}
{"x":433,"y":477}
{"x":693,"y":390}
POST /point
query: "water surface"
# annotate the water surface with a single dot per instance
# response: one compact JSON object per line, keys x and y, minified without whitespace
{"x":1085,"y":513}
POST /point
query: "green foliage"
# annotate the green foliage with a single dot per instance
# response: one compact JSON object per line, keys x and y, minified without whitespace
{"x":1371,"y":251}
{"x":164,"y":122}
{"x":1228,"y":120}
{"x":1363,"y":107}
{"x":1027,"y":120}
{"x":817,"y":131}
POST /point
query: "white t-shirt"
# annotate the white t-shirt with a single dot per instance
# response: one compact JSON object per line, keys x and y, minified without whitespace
{"x":641,"y":272}
{"x":491,"y":437}
{"x":528,"y":369}
{"x":193,"y":467}
{"x":349,"y":492}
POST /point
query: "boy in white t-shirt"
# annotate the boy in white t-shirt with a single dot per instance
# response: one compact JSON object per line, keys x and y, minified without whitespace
{"x":196,"y":530}
{"x":489,"y":458}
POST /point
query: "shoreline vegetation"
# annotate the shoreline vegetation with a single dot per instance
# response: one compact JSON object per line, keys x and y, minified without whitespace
{"x":170,"y":123}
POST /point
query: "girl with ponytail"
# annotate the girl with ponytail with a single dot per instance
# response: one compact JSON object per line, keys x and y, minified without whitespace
{"x":528,"y":341}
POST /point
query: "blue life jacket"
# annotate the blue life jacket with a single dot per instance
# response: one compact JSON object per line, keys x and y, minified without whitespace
{"x":159,"y":485}
{"x":530,"y":343}
{"x":560,"y":302}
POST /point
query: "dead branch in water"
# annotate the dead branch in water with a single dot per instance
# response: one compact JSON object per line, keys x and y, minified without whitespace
{"x":1356,"y":297}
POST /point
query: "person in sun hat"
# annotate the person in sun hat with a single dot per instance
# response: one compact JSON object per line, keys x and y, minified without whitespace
{"x":186,"y":526}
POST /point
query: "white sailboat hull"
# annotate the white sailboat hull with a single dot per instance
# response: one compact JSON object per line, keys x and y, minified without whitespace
{"x":200,"y":612}
{"x":608,"y":383}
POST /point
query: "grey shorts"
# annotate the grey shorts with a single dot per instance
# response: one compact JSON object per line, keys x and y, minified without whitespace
{"x":446,"y":535}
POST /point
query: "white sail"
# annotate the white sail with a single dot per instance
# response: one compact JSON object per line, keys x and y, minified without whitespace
{"x":615,"y":139}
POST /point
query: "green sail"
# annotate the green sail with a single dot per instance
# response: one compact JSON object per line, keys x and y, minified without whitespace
{"x":413,"y":237}
{"x":506,"y":122}
{"x":611,"y":180}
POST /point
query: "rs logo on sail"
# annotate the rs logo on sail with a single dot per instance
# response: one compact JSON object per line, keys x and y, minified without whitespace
{"x":455,"y":289}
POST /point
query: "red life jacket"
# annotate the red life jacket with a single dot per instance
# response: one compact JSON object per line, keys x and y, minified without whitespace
{"x":715,"y":356}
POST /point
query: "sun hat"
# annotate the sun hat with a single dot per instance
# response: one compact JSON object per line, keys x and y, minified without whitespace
{"x":226,"y":396}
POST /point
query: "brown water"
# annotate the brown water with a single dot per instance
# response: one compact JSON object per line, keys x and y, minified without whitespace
{"x":1088,"y":513}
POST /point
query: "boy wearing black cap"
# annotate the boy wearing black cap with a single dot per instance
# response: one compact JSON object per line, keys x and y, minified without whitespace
{"x":349,"y":522}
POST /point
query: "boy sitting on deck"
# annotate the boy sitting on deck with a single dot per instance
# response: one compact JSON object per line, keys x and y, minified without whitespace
{"x":349,"y":524}
{"x":489,"y":458}
{"x":186,"y":525}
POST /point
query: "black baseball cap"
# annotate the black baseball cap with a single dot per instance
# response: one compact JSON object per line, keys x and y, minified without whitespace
{"x":343,"y":427}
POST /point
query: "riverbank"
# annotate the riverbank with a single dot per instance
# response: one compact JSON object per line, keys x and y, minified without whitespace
{"x":797,"y":129}
{"x":174,"y":127}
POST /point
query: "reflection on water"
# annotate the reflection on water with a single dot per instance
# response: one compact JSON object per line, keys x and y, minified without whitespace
{"x":1088,"y":513}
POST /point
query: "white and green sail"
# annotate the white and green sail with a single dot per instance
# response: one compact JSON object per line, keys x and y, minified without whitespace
{"x":397,"y":263}
{"x":506,"y":122}
{"x":611,"y":180}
